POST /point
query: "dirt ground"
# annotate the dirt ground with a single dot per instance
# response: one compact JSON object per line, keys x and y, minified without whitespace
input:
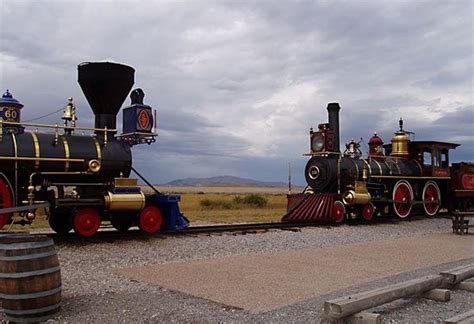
{"x":263,"y":283}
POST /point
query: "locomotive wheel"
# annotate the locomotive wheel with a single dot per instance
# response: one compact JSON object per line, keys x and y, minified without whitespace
{"x":150,"y":220}
{"x":60,"y":222}
{"x":403,"y":197}
{"x":5,"y":202}
{"x":86,"y":222}
{"x":338,"y":211}
{"x":121,"y":223}
{"x":368,"y":211}
{"x":431,"y":198}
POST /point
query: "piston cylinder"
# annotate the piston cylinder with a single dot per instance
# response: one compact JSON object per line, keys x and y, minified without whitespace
{"x":351,"y":197}
{"x":124,"y":201}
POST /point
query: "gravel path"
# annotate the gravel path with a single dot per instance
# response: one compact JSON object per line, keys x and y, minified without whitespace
{"x":93,"y":292}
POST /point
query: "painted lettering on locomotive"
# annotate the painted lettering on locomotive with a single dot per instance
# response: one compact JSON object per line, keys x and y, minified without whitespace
{"x":402,"y":178}
{"x":82,"y":179}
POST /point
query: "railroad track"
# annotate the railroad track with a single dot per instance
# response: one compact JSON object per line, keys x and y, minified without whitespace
{"x":108,"y":234}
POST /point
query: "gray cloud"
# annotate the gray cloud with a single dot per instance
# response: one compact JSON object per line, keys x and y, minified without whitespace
{"x":237,"y":85}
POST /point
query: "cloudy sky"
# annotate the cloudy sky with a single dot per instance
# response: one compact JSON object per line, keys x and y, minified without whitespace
{"x":237,"y":85}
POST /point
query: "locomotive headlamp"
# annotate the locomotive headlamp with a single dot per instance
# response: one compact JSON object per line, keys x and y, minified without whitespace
{"x":313,"y":172}
{"x":317,"y":143}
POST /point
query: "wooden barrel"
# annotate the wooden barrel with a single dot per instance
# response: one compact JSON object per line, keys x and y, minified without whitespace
{"x":30,"y":279}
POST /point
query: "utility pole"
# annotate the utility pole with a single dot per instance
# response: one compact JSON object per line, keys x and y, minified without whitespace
{"x":289,"y":178}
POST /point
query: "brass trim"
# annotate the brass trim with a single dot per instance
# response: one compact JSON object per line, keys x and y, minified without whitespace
{"x":378,"y":164}
{"x":317,"y":171}
{"x":358,"y":196}
{"x":15,"y":148}
{"x":37,"y":149}
{"x":409,"y":177}
{"x":66,"y":153}
{"x":124,"y":202}
{"x":356,"y":167}
{"x":125,"y":182}
{"x":368,"y":165}
{"x":94,"y":166}
{"x":114,"y":130}
{"x":23,"y":158}
{"x":98,"y":149}
{"x":389,"y":168}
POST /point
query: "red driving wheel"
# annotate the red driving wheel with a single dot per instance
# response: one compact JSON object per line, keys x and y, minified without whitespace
{"x":86,"y":222}
{"x":5,"y":202}
{"x":431,"y":198}
{"x":338,"y":211}
{"x":368,"y":211}
{"x":150,"y":220}
{"x":402,"y":198}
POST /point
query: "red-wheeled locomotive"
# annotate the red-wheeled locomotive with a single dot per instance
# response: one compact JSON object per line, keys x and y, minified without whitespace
{"x":402,"y":178}
{"x":79,"y":179}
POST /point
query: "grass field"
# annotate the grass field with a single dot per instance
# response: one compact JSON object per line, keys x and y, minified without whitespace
{"x":222,"y":207}
{"x":231,"y":212}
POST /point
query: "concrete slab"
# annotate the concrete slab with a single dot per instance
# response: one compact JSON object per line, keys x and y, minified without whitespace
{"x":261,"y":283}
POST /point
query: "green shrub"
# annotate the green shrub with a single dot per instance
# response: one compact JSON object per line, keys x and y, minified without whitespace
{"x":205,"y":203}
{"x":208,"y":203}
{"x":252,"y":199}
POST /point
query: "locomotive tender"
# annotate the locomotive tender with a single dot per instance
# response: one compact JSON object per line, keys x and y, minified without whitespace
{"x":400,"y":178}
{"x":82,"y":180}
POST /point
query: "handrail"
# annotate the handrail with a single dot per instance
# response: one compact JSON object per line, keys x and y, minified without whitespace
{"x":57,"y":126}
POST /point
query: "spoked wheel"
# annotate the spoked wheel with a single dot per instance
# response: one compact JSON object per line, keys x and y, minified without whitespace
{"x":431,"y":198}
{"x":338,"y":211}
{"x":5,"y":202}
{"x":403,"y":197}
{"x":86,"y":221}
{"x":368,"y":211}
{"x":150,"y":220}
{"x":60,"y":221}
{"x":121,"y":223}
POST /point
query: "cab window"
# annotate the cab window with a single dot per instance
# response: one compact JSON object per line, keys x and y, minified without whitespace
{"x":444,"y":159}
{"x":427,"y":157}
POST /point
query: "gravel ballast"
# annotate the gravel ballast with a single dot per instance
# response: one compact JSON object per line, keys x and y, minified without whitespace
{"x":93,"y":291}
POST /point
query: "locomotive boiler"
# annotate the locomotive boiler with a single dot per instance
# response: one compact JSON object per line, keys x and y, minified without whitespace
{"x":82,"y":179}
{"x":402,"y":178}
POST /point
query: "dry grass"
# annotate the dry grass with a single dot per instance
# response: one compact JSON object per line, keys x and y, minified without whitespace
{"x":271,"y":212}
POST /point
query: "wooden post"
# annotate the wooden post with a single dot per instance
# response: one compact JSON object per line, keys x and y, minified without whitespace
{"x":438,"y":294}
{"x":345,"y":306}
{"x":469,"y":286}
{"x":364,"y":318}
{"x":459,"y":274}
{"x":467,"y":317}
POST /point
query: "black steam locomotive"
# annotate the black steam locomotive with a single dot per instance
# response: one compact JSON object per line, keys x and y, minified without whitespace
{"x":82,"y":180}
{"x":401,"y":178}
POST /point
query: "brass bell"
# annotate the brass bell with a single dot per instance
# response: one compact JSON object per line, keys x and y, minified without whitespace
{"x":69,"y":113}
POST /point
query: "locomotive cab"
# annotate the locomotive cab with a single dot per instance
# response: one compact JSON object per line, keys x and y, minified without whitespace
{"x":433,"y":157}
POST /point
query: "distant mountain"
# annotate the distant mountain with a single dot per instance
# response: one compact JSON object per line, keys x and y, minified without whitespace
{"x":224,"y":181}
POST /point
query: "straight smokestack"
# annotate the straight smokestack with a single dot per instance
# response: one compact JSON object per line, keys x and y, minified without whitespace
{"x":333,"y":119}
